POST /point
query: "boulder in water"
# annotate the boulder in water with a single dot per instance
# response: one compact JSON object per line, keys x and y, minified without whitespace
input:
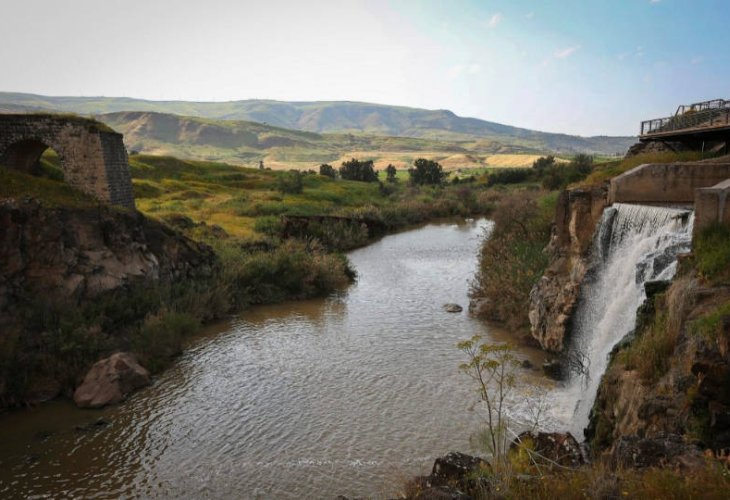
{"x":110,"y":381}
{"x":553,"y":368}
{"x":453,"y":308}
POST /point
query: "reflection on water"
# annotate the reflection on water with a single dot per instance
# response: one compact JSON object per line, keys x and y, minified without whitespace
{"x":347,"y":395}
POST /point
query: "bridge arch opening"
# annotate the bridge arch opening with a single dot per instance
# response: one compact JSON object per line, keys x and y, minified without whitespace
{"x":33,"y":156}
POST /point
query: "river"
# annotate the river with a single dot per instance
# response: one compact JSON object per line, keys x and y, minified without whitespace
{"x":348,"y":395}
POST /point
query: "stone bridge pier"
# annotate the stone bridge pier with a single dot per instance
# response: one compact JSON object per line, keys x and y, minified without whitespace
{"x":92,"y":155}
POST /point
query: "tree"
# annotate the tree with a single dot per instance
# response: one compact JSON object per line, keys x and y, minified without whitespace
{"x":582,"y":163}
{"x":356,"y":170}
{"x":492,"y":367}
{"x":543,"y":163}
{"x":327,"y":170}
{"x":391,"y":172}
{"x":426,"y":172}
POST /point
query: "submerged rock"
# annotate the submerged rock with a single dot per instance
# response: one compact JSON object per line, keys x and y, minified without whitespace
{"x":453,"y":308}
{"x":110,"y":381}
{"x":553,"y":369}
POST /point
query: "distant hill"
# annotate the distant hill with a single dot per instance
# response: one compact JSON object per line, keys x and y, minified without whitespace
{"x":244,"y":142}
{"x":335,"y":117}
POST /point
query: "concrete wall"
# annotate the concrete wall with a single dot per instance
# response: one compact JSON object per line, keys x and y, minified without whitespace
{"x":711,"y":205}
{"x":93,"y":156}
{"x":665,"y":183}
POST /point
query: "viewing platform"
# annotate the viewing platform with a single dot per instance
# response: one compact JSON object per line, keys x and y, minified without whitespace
{"x":699,"y":121}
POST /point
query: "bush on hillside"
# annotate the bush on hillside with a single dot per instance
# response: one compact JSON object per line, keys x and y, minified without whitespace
{"x":327,"y":170}
{"x":426,"y":172}
{"x":356,"y":170}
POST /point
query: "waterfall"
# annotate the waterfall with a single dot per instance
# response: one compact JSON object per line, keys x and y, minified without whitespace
{"x":634,"y":244}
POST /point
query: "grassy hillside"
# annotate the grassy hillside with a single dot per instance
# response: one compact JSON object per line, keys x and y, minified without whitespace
{"x":327,"y":117}
{"x":246,"y":143}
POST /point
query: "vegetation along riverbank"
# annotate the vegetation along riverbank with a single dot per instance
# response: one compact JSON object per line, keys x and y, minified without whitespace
{"x":84,"y":280}
{"x":659,"y":425}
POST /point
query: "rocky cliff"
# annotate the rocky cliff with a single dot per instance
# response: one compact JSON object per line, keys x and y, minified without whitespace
{"x":74,"y":282}
{"x":671,"y":377}
{"x":554,"y":297}
{"x":74,"y":254}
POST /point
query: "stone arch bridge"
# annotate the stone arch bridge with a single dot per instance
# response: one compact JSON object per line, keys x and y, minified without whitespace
{"x":92,"y":155}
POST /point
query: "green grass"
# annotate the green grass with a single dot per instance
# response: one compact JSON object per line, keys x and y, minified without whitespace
{"x":712,"y":253}
{"x":50,"y":192}
{"x":711,"y":325}
{"x":611,"y":169}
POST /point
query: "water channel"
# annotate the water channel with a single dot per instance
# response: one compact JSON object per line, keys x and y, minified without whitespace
{"x":347,"y":395}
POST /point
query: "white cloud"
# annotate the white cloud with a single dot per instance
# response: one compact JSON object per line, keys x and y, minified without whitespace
{"x":495,"y":20}
{"x":567,"y":52}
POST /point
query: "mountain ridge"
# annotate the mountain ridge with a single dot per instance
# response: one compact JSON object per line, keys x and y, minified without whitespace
{"x":333,"y":117}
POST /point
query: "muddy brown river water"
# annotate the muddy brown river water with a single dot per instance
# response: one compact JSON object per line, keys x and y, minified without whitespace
{"x":347,"y":395}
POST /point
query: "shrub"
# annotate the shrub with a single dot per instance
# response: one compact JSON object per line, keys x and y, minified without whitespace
{"x":391,"y":173}
{"x":356,"y":170}
{"x":327,"y":170}
{"x":509,"y":176}
{"x":426,"y":172}
{"x":290,"y":182}
{"x":160,"y":338}
{"x":512,"y":259}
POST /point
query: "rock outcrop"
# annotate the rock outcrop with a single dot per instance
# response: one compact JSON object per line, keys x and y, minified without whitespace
{"x":67,"y":259}
{"x":549,"y":449}
{"x":656,"y":411}
{"x":110,"y":381}
{"x":554,"y":297}
{"x":454,"y":476}
{"x":75,"y":254}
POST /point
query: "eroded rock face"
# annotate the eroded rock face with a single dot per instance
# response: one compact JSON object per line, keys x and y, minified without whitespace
{"x":110,"y":381}
{"x":554,"y":297}
{"x":635,"y":416}
{"x":664,"y":450}
{"x":75,"y":254}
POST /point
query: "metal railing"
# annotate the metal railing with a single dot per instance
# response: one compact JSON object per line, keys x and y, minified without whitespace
{"x":708,"y":114}
{"x":702,"y":106}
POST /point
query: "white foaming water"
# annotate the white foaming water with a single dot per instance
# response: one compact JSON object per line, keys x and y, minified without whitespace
{"x":634,"y":244}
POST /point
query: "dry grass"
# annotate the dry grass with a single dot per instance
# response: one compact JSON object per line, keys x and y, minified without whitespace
{"x":403,"y":160}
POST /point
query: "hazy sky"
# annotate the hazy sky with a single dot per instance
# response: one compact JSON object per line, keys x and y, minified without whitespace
{"x":576,"y":66}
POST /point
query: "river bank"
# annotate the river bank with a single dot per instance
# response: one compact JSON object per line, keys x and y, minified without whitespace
{"x":344,"y":395}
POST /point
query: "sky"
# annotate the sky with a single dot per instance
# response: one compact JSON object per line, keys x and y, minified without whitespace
{"x":585,"y":67}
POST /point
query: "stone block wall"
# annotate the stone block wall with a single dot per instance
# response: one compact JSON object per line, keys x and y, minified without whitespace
{"x":711,"y":205}
{"x":665,"y":183}
{"x":92,"y":156}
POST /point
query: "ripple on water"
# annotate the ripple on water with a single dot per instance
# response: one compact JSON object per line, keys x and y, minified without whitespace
{"x":346,"y":395}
